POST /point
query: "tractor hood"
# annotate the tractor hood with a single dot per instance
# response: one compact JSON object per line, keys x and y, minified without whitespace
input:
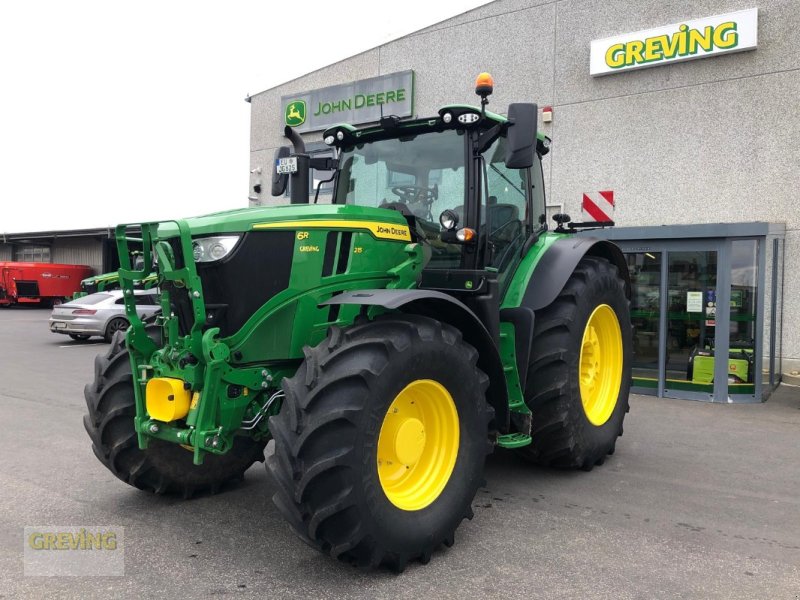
{"x":384,"y":223}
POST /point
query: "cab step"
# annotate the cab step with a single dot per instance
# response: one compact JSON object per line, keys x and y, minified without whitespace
{"x":513,"y":440}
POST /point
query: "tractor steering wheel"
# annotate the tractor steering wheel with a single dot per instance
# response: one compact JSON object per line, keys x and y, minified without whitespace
{"x":418,"y":199}
{"x":416,"y":193}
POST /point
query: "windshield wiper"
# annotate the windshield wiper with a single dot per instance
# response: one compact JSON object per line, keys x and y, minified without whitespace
{"x":513,"y":185}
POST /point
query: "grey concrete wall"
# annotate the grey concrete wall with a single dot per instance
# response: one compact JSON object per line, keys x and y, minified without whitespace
{"x":705,"y":141}
{"x":78,"y":251}
{"x":266,"y":122}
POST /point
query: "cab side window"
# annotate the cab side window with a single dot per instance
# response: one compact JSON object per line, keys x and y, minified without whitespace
{"x":505,"y":209}
{"x":537,"y":191}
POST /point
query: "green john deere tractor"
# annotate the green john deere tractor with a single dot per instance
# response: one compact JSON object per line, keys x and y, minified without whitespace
{"x":110,"y":281}
{"x":386,"y":342}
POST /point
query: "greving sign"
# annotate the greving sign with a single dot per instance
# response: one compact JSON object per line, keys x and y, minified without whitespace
{"x":687,"y":40}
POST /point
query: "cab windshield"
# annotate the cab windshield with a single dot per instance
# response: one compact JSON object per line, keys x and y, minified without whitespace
{"x":421,"y":175}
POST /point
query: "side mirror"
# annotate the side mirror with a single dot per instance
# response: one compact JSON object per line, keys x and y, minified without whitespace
{"x":279,"y":180}
{"x":521,"y":136}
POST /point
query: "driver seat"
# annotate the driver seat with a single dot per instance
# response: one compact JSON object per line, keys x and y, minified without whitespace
{"x":501,"y":215}
{"x":459,"y":210}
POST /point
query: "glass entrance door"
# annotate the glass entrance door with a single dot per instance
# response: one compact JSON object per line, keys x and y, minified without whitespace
{"x":691,"y":321}
{"x":742,"y":362}
{"x":645,"y":272}
{"x":673,"y":313}
{"x":702,"y":327}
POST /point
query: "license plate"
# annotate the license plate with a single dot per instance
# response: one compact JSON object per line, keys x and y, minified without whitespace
{"x":287,"y":165}
{"x":59,"y":325}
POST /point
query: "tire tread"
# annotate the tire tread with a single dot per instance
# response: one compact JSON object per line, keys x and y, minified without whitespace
{"x":311,"y":428}
{"x":109,"y":424}
{"x":557,"y":440}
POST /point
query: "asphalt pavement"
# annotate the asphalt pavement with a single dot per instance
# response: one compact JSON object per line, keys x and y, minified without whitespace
{"x":699,"y":501}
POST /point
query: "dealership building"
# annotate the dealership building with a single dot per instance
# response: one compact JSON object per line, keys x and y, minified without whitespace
{"x":677,"y":119}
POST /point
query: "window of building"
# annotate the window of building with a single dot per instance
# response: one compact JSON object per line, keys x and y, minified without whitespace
{"x":32,"y":254}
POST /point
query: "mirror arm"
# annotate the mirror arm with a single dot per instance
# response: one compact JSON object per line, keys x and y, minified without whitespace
{"x":325,"y":163}
{"x":488,"y":137}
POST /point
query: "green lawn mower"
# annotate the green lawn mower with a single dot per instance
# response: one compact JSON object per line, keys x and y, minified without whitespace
{"x":741,"y":363}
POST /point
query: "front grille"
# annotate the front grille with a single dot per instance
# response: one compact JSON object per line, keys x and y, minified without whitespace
{"x":238,"y":285}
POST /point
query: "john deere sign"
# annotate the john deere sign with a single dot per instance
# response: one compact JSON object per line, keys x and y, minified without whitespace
{"x":697,"y":38}
{"x":362,"y":101}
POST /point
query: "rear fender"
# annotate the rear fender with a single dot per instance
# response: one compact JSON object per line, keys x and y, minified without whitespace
{"x":558,"y":263}
{"x":446,"y":309}
{"x":548,"y":278}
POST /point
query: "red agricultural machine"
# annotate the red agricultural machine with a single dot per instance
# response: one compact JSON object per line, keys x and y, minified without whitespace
{"x":39,"y":283}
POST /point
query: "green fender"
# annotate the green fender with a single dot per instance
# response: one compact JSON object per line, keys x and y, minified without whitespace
{"x":539,"y":279}
{"x":447,"y":309}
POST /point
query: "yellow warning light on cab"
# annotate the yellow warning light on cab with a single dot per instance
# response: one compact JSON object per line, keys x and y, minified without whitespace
{"x":484,"y":84}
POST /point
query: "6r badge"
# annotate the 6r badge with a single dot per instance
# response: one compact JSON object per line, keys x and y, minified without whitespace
{"x":295,"y":113}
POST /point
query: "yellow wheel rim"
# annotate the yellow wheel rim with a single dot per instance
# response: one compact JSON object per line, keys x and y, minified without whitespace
{"x":418,"y":445}
{"x":601,"y":364}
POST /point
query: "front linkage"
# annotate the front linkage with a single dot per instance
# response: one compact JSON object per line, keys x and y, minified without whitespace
{"x":188,"y":388}
{"x":188,"y":377}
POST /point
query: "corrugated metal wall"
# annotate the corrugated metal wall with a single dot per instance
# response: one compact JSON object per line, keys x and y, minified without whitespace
{"x":5,"y":252}
{"x":78,"y":251}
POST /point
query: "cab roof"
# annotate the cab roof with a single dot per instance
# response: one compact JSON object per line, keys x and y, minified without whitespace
{"x":344,"y":134}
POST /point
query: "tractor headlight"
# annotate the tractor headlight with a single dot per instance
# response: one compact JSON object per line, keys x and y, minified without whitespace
{"x":448,"y":219}
{"x":209,"y":249}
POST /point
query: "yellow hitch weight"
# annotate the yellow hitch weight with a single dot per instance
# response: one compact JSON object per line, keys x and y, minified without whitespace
{"x":166,"y":399}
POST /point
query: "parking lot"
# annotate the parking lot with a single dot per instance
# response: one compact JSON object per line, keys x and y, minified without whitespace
{"x":699,"y":501}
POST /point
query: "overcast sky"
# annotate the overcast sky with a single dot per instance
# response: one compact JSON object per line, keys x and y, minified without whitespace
{"x":116,"y":112}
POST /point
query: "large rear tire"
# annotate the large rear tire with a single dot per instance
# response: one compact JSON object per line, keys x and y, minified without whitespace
{"x":164,"y":468}
{"x":381,"y":441}
{"x":580,"y":370}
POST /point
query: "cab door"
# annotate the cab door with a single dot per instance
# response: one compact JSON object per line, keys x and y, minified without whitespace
{"x":512,"y":210}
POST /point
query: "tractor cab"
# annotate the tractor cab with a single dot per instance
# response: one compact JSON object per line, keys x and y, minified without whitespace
{"x":469,"y":182}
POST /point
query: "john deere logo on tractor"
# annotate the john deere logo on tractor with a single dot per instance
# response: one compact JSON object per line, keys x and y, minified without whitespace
{"x":295,"y":113}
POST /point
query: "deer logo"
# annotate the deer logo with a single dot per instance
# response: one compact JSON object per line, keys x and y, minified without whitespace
{"x":295,"y":113}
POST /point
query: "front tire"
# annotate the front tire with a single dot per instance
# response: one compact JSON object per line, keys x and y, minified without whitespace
{"x":580,"y":371}
{"x":381,"y":441}
{"x":164,"y":468}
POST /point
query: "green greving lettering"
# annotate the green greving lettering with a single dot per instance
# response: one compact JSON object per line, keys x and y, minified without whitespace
{"x":684,"y":42}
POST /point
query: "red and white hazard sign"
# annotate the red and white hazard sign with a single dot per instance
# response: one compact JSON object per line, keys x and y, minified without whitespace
{"x":598,"y":206}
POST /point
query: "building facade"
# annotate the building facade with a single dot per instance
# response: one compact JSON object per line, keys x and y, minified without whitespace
{"x":92,"y":247}
{"x":711,"y":141}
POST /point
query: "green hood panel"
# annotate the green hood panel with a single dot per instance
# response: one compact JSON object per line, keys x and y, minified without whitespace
{"x":240,"y":220}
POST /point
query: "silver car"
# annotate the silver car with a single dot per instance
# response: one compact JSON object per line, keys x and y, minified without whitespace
{"x":101,"y":314}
